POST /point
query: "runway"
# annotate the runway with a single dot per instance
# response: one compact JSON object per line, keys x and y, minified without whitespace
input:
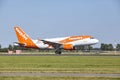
{"x":49,"y":74}
{"x":60,"y":54}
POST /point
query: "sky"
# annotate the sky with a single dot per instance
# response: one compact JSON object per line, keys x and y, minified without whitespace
{"x":60,"y":18}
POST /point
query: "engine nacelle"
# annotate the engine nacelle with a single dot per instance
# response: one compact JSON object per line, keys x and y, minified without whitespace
{"x":68,"y":47}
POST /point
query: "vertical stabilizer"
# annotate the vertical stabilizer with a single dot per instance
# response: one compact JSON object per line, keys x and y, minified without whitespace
{"x":23,"y":38}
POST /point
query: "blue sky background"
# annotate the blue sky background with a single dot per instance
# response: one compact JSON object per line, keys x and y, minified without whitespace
{"x":59,"y":18}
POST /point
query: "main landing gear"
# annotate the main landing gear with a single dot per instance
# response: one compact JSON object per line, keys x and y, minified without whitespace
{"x":58,"y":51}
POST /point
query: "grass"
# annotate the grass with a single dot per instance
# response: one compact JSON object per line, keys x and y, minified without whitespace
{"x":58,"y":78}
{"x":79,"y":64}
{"x":74,"y":64}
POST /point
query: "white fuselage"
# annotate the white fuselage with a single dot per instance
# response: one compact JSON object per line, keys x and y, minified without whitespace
{"x":87,"y":41}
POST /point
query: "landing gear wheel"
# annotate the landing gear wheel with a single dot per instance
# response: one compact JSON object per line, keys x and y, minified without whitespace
{"x":58,"y":52}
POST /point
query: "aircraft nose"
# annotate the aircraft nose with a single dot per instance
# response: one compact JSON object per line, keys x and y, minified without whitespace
{"x":96,"y":40}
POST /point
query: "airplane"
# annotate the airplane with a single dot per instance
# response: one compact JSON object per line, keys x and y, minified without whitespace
{"x":66,"y":43}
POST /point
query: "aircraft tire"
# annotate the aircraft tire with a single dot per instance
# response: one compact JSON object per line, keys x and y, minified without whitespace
{"x":58,"y":52}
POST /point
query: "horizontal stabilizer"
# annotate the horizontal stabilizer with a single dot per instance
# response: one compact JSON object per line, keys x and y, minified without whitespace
{"x":19,"y":44}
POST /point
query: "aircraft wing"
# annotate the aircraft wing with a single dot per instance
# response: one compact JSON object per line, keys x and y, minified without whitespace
{"x":55,"y":45}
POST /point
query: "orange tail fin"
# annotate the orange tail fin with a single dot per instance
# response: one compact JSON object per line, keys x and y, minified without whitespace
{"x":23,"y":38}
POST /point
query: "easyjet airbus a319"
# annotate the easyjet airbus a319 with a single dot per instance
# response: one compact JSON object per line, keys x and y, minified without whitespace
{"x":67,"y":43}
